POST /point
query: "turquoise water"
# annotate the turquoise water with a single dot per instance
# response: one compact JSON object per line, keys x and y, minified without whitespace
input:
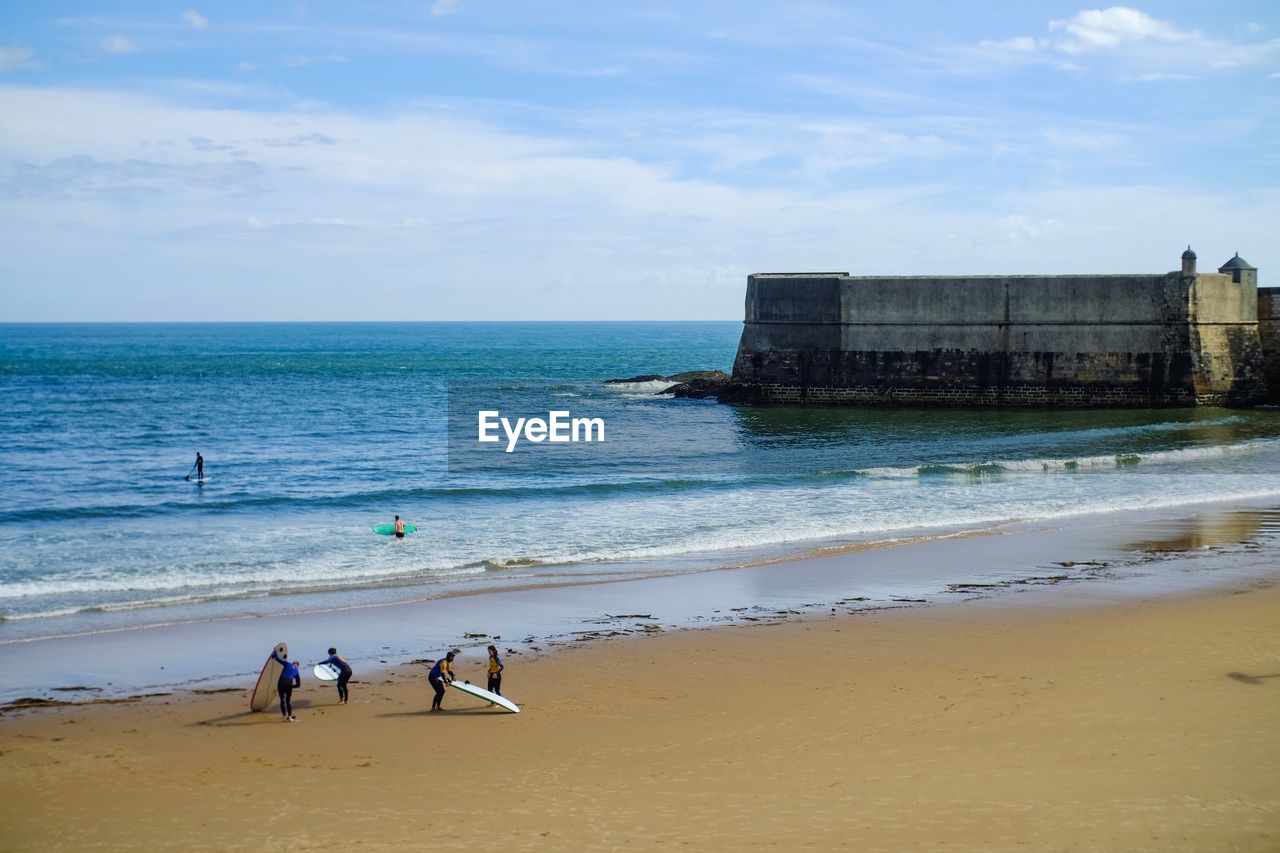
{"x":313,"y":433}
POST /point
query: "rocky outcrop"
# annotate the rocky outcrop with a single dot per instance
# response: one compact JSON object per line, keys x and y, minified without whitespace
{"x":696,"y":385}
{"x":701,"y":387}
{"x":678,"y":378}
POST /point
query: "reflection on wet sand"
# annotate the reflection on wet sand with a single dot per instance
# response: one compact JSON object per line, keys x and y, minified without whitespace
{"x":1212,"y":530}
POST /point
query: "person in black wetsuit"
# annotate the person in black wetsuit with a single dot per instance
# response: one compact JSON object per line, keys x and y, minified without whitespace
{"x":440,"y":675}
{"x":289,"y":679}
{"x":199,"y":466}
{"x":344,"y":674}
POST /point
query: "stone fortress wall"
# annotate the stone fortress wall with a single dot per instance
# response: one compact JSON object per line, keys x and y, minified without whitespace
{"x":1269,"y":335}
{"x":1172,"y":339}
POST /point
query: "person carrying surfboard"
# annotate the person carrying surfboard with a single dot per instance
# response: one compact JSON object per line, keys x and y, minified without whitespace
{"x":290,"y":678}
{"x":495,"y":671}
{"x":344,"y":674}
{"x":399,"y":528}
{"x":440,"y":675}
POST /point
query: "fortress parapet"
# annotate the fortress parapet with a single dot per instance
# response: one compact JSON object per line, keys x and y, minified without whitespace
{"x":1174,"y":339}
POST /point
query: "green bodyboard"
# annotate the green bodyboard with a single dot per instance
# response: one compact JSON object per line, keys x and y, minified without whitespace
{"x":388,"y":529}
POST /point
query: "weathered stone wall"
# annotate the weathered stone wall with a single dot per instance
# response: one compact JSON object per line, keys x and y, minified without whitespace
{"x":1225,"y":347}
{"x":1119,"y":340}
{"x":1269,"y":334}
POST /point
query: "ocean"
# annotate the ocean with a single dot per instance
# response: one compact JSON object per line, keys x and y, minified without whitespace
{"x":313,"y":433}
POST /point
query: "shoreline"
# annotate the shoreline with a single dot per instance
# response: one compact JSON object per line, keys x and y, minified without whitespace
{"x":336,"y":565}
{"x":1108,"y":553}
{"x":693,"y":562}
{"x":1079,"y":721}
{"x":811,"y":553}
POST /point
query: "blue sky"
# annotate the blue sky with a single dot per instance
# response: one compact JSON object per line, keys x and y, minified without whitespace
{"x":464,"y":159}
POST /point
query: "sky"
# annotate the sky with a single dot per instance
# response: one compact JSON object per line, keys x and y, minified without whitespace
{"x":522,"y":159}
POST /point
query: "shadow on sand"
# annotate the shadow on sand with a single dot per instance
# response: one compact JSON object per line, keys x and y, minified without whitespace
{"x":448,"y":712}
{"x":271,"y":714}
{"x":1250,"y":679}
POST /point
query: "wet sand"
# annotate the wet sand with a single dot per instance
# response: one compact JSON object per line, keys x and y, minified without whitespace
{"x":1065,"y":722}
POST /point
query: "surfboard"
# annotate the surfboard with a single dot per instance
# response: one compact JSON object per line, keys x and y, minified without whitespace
{"x":265,"y":690}
{"x":199,"y":481}
{"x":388,"y":529}
{"x":327,"y":672}
{"x":481,"y":693}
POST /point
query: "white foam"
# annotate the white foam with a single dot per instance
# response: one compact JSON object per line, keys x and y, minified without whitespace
{"x":653,"y":386}
{"x":1158,"y":457}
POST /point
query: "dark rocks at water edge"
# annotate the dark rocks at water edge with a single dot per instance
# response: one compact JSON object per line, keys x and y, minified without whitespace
{"x":687,"y":376}
{"x":695,"y":385}
{"x":723,"y":390}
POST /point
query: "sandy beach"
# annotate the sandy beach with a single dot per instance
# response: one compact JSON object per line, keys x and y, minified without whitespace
{"x":1063,"y":723}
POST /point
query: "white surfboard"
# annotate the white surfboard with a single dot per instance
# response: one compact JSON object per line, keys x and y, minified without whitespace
{"x":265,"y":690}
{"x":481,"y":693}
{"x":200,"y":481}
{"x":327,"y":671}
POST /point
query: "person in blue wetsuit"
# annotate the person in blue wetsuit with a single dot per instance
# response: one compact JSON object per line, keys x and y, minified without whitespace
{"x":440,"y":675}
{"x":344,"y":674}
{"x":289,"y":679}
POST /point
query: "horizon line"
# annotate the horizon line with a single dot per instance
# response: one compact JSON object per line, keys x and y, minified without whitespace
{"x":322,"y":322}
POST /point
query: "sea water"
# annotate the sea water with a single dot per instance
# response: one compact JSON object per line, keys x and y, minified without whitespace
{"x":313,"y":433}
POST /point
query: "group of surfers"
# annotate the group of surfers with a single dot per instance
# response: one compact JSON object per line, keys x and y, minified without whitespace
{"x":441,"y":674}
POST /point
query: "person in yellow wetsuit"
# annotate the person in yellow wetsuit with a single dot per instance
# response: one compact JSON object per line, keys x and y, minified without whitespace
{"x":495,"y":671}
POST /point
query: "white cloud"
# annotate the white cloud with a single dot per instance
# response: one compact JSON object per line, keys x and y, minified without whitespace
{"x":1139,"y":46}
{"x":16,"y":57}
{"x":1018,"y":44}
{"x":84,"y":177}
{"x":444,"y":7}
{"x":118,"y":45}
{"x":1104,"y":29}
{"x":1237,"y":55}
{"x":195,"y":20}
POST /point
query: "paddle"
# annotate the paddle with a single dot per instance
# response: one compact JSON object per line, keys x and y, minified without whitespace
{"x":189,"y":473}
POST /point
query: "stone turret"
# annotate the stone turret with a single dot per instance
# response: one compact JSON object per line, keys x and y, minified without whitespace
{"x":1188,"y":262}
{"x":1241,"y":271}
